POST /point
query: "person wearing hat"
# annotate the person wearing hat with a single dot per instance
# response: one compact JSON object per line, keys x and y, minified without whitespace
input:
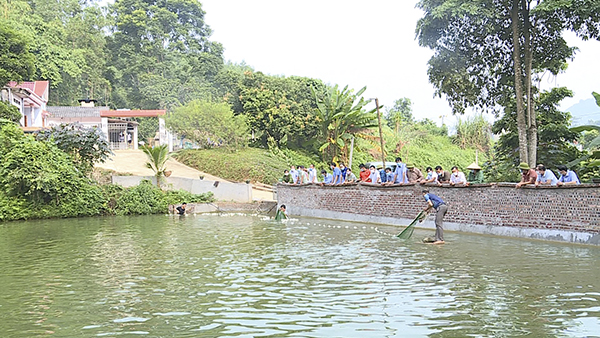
{"x":413,"y":174}
{"x":528,"y":175}
{"x":475,"y":174}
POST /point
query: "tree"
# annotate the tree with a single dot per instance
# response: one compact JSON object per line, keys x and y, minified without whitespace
{"x":489,"y":53}
{"x":157,"y":160}
{"x":161,"y":55}
{"x":209,"y":124}
{"x":399,"y":114}
{"x":555,"y":137}
{"x":281,"y":109}
{"x":9,"y":112}
{"x":342,"y":116}
{"x":86,"y":146}
{"x":16,"y":62}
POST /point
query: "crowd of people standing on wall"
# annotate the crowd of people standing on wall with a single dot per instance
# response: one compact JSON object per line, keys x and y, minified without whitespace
{"x":403,"y":173}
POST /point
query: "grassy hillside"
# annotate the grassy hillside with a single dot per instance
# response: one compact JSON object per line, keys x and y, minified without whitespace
{"x":256,"y":165}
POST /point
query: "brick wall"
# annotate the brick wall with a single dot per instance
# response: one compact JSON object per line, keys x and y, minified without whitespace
{"x":575,"y":208}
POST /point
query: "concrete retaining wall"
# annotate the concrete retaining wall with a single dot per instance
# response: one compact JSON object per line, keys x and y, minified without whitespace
{"x":223,"y":191}
{"x":562,"y":214}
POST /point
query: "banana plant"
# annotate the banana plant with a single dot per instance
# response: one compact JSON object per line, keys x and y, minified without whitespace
{"x":342,"y":115}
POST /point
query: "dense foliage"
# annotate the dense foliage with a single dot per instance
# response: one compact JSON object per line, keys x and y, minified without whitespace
{"x":255,"y":165}
{"x":86,"y":146}
{"x":209,"y":124}
{"x":39,"y":180}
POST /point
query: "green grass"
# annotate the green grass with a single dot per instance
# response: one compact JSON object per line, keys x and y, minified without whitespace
{"x":256,"y":165}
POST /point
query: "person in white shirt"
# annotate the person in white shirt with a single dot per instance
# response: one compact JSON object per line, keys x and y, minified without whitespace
{"x":312,"y":174}
{"x":294,"y":174}
{"x":457,"y":177}
{"x":545,"y":176}
{"x":374,"y":177}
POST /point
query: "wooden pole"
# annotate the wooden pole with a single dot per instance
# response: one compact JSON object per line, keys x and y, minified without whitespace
{"x":380,"y":133}
{"x":351,"y":152}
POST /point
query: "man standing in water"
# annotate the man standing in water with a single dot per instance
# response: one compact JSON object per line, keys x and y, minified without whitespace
{"x":441,"y":208}
{"x":181,"y":209}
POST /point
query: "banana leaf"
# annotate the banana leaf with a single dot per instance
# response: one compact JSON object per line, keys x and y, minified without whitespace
{"x":408,"y":231}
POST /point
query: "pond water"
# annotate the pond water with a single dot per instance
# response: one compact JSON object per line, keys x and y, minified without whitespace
{"x":238,"y":275}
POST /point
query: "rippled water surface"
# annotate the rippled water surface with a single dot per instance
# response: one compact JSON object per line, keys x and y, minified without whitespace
{"x":236,"y":275}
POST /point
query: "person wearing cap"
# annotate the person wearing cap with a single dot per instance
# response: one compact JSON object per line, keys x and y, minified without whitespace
{"x":413,"y":174}
{"x":475,"y":174}
{"x":567,"y":176}
{"x":528,"y":175}
{"x":457,"y":177}
{"x":545,"y":176}
{"x":435,"y":202}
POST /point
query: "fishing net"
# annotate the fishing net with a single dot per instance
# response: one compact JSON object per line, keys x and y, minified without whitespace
{"x":408,"y":231}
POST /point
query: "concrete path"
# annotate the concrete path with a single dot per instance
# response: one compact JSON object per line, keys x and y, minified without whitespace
{"x":134,"y":163}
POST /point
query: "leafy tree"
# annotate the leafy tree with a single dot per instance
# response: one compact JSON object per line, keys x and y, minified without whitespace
{"x":342,"y":116}
{"x":9,"y":112}
{"x":489,"y":53}
{"x":161,"y":55}
{"x":277,"y":108}
{"x":16,"y":62}
{"x":555,"y":137}
{"x":86,"y":146}
{"x":399,"y":114}
{"x":157,"y":160}
{"x":209,"y":124}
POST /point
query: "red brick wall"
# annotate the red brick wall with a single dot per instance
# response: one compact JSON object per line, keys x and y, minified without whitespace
{"x":575,"y":209}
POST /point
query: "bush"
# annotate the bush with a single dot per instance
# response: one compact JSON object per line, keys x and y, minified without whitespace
{"x":145,"y":199}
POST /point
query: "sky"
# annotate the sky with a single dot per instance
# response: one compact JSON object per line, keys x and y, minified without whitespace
{"x":358,"y":43}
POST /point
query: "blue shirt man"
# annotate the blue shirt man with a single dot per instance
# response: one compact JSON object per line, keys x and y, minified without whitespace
{"x":337,"y":174}
{"x":400,"y":172}
{"x":567,"y":176}
{"x":434,"y":201}
{"x":545,"y":176}
{"x":344,"y":170}
{"x":383,"y":176}
{"x":327,"y":177}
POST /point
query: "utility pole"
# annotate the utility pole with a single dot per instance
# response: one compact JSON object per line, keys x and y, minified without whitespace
{"x":380,"y":133}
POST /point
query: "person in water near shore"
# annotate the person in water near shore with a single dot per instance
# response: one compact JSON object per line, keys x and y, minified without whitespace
{"x":281,"y":214}
{"x":181,"y":209}
{"x":435,"y":202}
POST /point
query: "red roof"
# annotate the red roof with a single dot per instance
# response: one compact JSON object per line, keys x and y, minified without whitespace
{"x":132,"y":113}
{"x":40,"y":88}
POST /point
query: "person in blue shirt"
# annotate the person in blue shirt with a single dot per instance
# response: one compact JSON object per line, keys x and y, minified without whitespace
{"x":344,"y":170}
{"x":337,"y":174}
{"x":567,"y":176}
{"x":389,"y":175}
{"x":327,"y":177}
{"x":382,"y":176}
{"x":545,"y":176}
{"x":400,"y":172}
{"x":435,"y":202}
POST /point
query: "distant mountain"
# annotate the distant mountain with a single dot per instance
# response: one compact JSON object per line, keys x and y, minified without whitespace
{"x":585,"y":112}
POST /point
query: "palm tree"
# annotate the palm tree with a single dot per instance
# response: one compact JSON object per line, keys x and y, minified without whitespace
{"x":342,"y":117}
{"x":157,"y":160}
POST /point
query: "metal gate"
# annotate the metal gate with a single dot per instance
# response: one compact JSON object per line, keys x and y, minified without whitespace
{"x":117,"y":135}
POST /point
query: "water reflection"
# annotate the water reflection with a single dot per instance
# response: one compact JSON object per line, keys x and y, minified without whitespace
{"x":235,"y":275}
